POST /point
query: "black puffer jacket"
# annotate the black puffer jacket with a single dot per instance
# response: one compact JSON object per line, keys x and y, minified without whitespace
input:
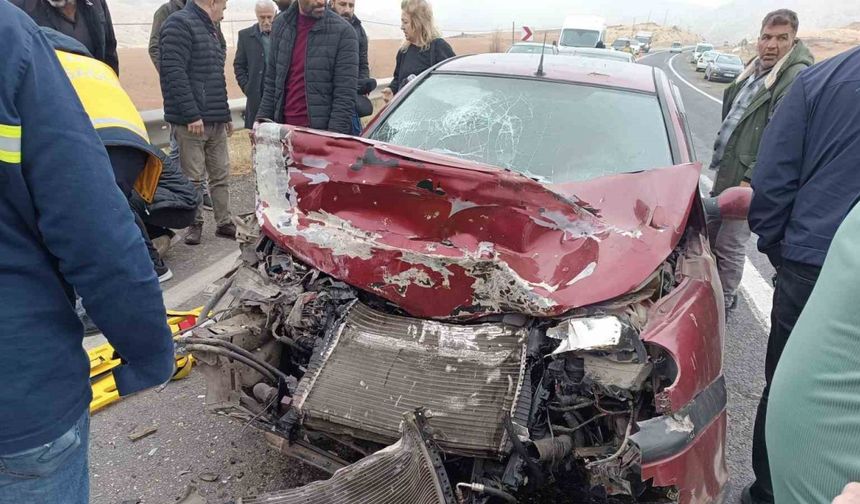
{"x":192,"y":68}
{"x":363,"y":65}
{"x":331,"y":71}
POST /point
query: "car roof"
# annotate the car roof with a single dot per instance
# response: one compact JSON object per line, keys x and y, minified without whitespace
{"x":532,"y":44}
{"x":594,"y":52}
{"x":591,"y":71}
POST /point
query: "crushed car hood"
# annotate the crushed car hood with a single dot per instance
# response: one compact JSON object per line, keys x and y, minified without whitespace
{"x":445,"y":238}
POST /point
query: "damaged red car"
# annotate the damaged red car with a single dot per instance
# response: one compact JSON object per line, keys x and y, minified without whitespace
{"x":502,"y":292}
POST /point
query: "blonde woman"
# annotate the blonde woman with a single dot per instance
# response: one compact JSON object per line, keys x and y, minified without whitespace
{"x":423,"y":47}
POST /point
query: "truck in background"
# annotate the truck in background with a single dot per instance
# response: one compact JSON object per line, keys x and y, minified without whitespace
{"x":645,"y":38}
{"x":582,"y":31}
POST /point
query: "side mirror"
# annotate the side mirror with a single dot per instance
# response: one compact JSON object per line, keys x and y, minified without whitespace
{"x":554,"y":43}
{"x":731,"y":204}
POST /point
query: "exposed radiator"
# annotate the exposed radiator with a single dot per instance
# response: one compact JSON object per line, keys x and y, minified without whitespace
{"x":376,"y":366}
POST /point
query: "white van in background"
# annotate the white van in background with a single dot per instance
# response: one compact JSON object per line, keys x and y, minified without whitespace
{"x":582,"y":31}
{"x":701,"y":48}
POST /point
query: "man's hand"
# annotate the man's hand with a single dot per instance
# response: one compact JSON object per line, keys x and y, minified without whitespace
{"x":745,"y":183}
{"x":229,"y":127}
{"x":850,"y":494}
{"x":196,"y":128}
{"x":387,"y":95}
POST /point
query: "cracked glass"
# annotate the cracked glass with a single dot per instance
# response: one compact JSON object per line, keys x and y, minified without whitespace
{"x":551,"y":131}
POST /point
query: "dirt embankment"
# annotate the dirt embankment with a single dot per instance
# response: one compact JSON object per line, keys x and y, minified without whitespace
{"x":828,"y":43}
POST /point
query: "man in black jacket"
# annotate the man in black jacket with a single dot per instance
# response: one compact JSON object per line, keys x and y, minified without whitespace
{"x":312,"y":72}
{"x":249,"y":65}
{"x":195,"y":103}
{"x":346,"y":10}
{"x":88,"y":22}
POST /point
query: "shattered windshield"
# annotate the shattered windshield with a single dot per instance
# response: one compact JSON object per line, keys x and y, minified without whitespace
{"x":553,"y":132}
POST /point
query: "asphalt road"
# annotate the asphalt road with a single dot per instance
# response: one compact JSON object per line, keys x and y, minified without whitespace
{"x":222,"y":461}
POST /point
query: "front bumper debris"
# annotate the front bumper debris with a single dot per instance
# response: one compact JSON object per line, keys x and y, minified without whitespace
{"x":408,"y":471}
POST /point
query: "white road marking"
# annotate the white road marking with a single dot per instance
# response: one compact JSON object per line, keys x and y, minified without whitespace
{"x":692,"y":86}
{"x":193,"y":285}
{"x":183,"y":291}
{"x":756,"y":289}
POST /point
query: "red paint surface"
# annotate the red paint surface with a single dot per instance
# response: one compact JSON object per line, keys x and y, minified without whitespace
{"x":414,"y":208}
{"x":689,"y":324}
{"x":699,"y":472}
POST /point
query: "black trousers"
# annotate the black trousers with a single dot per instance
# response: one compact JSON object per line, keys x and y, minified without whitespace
{"x":794,"y":283}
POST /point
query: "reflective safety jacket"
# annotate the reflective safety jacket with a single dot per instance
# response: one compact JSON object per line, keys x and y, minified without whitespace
{"x":112,"y":113}
{"x":65,"y":228}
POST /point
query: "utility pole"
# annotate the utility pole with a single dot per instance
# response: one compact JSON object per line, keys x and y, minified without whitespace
{"x":633,"y":28}
{"x":666,"y":17}
{"x":513,"y":32}
{"x":649,"y":16}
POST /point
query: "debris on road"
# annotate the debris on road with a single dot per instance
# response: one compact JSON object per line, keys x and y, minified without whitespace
{"x":208,"y":477}
{"x":191,"y":496}
{"x":140,"y":433}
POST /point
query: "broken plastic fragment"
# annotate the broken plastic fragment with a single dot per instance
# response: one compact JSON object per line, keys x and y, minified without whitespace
{"x":598,"y":333}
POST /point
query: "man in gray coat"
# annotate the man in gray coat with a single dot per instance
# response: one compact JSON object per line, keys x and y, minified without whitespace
{"x":249,"y":65}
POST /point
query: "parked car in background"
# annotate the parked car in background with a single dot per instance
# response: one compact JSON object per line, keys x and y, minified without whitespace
{"x":705,"y":59}
{"x":533,"y":48}
{"x":700,"y":49}
{"x":582,"y":31}
{"x":504,"y":287}
{"x":604,"y":54}
{"x":676,"y":47}
{"x":725,"y":67}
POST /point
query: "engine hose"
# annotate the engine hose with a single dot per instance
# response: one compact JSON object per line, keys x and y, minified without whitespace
{"x":534,"y":470}
{"x":235,"y":356}
{"x":239,"y":350}
{"x":219,"y":294}
{"x":488,"y":490}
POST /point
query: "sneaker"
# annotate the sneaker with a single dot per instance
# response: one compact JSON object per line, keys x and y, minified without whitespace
{"x":195,"y":232}
{"x":164,"y":273}
{"x":207,"y":202}
{"x":226,"y":230}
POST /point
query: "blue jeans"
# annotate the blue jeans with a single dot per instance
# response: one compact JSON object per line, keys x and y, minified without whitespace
{"x":53,"y":473}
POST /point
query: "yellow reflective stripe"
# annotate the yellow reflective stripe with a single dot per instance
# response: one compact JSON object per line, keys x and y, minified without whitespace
{"x":10,"y":157}
{"x":108,"y":122}
{"x":10,"y":131}
{"x":10,"y":144}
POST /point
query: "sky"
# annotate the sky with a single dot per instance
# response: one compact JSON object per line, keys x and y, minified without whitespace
{"x":729,"y":20}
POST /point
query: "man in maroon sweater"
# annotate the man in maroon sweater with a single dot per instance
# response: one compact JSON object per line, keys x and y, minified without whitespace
{"x":315,"y":61}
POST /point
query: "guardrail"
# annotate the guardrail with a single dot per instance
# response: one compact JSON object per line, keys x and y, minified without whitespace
{"x":159,"y":131}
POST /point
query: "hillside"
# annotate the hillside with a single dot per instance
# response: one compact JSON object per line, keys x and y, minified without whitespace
{"x":830,"y":42}
{"x":663,"y":35}
{"x":742,"y":18}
